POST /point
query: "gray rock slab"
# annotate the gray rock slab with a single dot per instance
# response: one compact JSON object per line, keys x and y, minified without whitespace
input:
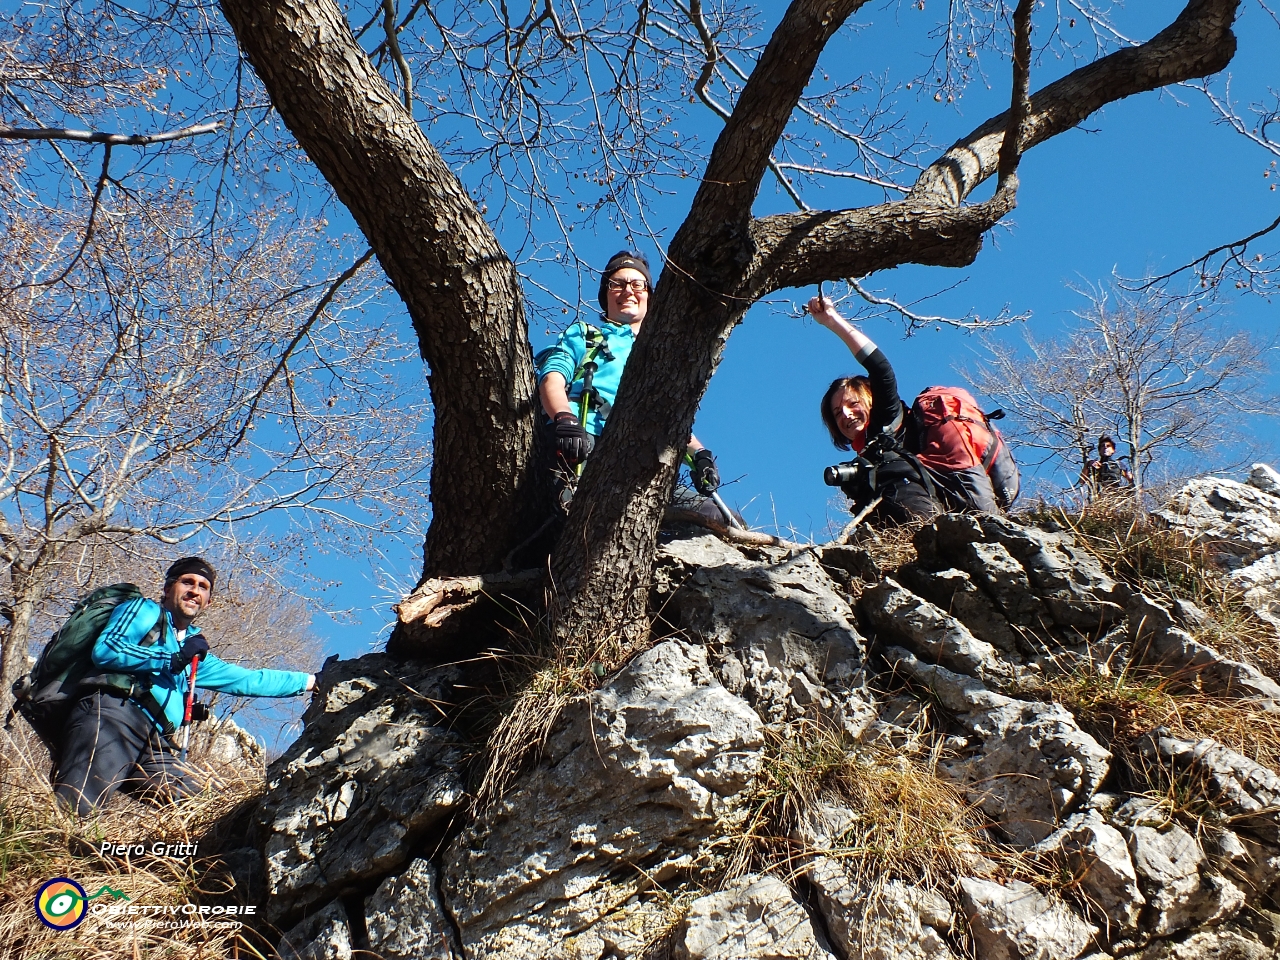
{"x":404,"y":918}
{"x":1260,"y":582}
{"x":1032,"y":574}
{"x":1181,"y":893}
{"x":1209,"y":945}
{"x":703,"y":552}
{"x":1245,"y":791}
{"x":893,"y":921}
{"x":1156,"y":638}
{"x":1099,"y":859}
{"x":782,"y":637}
{"x":371,"y":772}
{"x":1035,"y":765}
{"x":756,"y":918}
{"x":1265,"y":478}
{"x":1014,"y":921}
{"x":1000,"y":574}
{"x":953,"y":591}
{"x":1236,"y":521}
{"x":931,"y":634}
{"x":325,"y":935}
{"x":634,"y":780}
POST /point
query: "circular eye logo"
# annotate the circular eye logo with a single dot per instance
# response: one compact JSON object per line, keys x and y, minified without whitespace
{"x":60,"y":904}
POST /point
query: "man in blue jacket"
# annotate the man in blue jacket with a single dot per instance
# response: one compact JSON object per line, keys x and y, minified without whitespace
{"x":112,"y":740}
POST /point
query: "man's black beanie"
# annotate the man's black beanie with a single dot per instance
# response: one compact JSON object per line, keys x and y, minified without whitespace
{"x":619,"y":261}
{"x":190,"y":565}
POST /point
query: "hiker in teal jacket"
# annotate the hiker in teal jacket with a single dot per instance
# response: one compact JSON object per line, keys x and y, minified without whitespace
{"x":111,"y":740}
{"x":625,"y":285}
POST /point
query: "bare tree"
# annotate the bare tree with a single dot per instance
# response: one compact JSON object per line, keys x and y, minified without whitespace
{"x":169,"y":383}
{"x":568,"y":114}
{"x":1158,"y":371}
{"x":464,"y":296}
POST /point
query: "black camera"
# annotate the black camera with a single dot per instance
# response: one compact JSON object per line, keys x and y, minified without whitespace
{"x":199,"y":712}
{"x":841,"y":473}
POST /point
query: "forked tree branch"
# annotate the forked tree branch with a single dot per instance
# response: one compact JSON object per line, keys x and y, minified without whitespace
{"x":931,"y":226}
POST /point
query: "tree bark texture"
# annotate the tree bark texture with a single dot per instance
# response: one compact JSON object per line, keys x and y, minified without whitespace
{"x":461,"y":289}
{"x":722,"y":260}
{"x":28,"y":592}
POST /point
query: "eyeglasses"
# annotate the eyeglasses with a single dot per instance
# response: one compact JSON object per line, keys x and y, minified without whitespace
{"x":635,"y":286}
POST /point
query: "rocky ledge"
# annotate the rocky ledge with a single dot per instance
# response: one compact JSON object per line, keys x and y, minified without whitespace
{"x":997,"y":663}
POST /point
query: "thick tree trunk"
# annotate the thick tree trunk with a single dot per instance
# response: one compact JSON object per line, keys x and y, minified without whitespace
{"x":461,"y":289}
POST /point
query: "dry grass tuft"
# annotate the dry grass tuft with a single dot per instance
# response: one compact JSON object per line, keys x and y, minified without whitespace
{"x":905,"y":822}
{"x":890,"y":547}
{"x":538,"y":678}
{"x":39,"y":841}
{"x":1121,"y":708}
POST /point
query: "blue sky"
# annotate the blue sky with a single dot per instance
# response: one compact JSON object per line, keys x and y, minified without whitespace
{"x":1151,"y":183}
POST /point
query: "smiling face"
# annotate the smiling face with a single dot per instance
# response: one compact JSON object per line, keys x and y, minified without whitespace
{"x":626,"y":304}
{"x":851,"y":414}
{"x":186,"y":597}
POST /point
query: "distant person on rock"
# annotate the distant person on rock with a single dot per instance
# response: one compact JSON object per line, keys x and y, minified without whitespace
{"x":578,"y":377}
{"x":865,"y":414}
{"x":1106,"y":475}
{"x":118,"y":733}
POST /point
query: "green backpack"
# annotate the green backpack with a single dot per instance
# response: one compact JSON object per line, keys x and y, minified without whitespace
{"x":66,"y":672}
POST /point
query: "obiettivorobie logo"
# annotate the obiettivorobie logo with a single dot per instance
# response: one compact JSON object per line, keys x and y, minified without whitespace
{"x":62,"y":903}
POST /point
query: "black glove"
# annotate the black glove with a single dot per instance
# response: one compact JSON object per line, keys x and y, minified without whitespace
{"x":571,"y":438}
{"x":192,"y":647}
{"x":703,"y":472}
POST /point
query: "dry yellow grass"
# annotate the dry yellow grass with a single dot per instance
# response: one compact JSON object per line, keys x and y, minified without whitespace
{"x":906,"y":821}
{"x":1119,"y":709}
{"x":39,"y":841}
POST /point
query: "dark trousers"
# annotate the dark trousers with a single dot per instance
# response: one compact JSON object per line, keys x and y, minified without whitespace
{"x":109,"y":743}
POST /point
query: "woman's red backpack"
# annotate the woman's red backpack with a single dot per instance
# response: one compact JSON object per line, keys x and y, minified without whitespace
{"x":954,"y":435}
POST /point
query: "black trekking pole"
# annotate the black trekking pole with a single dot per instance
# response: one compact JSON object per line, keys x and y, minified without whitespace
{"x":715,"y":498}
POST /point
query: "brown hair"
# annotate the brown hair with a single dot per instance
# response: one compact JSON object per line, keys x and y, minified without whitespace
{"x":859,"y":385}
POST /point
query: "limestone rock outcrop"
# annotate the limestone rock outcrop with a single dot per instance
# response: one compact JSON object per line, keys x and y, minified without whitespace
{"x":687,"y":806}
{"x":1238,"y":524}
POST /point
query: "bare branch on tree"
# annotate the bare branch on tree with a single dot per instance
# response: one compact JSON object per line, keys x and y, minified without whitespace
{"x":110,"y":139}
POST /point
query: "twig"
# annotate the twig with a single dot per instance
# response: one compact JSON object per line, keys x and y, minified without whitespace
{"x":101,"y":185}
{"x":1236,"y":248}
{"x":709,"y":69}
{"x":302,"y":332}
{"x":393,"y":44}
{"x":916,"y":319}
{"x":852,"y":525}
{"x":110,"y":139}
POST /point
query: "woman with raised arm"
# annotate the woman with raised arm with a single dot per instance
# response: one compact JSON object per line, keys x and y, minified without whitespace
{"x":916,"y":467}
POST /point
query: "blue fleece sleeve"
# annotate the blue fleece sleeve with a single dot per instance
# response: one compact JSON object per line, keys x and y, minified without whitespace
{"x":565,"y":356}
{"x":119,"y":647}
{"x":216,"y":674}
